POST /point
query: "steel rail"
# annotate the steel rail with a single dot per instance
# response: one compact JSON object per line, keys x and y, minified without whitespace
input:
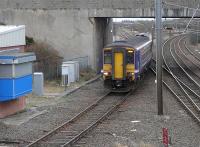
{"x":188,"y":60}
{"x":84,"y":132}
{"x":185,"y":55}
{"x":181,"y":66}
{"x":68,"y":122}
{"x":191,"y":51}
{"x":190,"y":99}
{"x":180,"y":100}
{"x":89,"y":123}
{"x":179,"y":83}
{"x":186,"y":86}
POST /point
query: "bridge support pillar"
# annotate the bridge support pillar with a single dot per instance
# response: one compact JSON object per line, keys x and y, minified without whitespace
{"x":102,"y":36}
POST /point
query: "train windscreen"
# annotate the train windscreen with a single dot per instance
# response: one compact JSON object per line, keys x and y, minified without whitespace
{"x":130,"y":57}
{"x":107,"y":57}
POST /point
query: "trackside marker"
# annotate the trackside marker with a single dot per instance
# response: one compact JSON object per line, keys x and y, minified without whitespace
{"x":165,"y":137}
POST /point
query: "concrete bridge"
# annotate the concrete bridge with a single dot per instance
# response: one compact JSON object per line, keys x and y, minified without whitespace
{"x":78,"y":28}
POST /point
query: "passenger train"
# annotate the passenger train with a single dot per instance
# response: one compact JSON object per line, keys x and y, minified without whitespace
{"x":125,"y":61}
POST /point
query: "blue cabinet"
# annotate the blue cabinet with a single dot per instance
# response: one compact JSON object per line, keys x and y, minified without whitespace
{"x":15,"y":75}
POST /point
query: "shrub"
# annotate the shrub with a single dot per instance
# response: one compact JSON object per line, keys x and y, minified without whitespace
{"x":48,"y":59}
{"x":29,"y":41}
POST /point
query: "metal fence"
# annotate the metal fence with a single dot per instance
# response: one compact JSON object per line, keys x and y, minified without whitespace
{"x":83,"y":62}
{"x":52,"y":70}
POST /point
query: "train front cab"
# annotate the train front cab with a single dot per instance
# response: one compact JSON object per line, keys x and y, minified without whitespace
{"x":118,"y":69}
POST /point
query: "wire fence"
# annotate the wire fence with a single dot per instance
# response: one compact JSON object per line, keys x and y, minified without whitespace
{"x":53,"y":70}
{"x":83,"y":62}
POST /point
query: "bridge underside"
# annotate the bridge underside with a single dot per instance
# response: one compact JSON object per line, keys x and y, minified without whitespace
{"x":108,"y":8}
{"x":143,"y":13}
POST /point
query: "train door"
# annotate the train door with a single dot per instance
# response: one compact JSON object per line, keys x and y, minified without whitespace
{"x":118,"y":65}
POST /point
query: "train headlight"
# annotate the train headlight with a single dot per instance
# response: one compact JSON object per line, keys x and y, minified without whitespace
{"x":105,"y":73}
{"x":130,"y":51}
{"x":131,"y":74}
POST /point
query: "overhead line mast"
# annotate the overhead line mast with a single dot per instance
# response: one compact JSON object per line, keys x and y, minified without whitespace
{"x":158,"y":6}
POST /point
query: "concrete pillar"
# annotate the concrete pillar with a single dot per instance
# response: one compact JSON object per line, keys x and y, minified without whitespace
{"x":110,"y":29}
{"x":99,"y":41}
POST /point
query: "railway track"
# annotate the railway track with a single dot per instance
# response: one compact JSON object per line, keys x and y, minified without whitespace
{"x":182,"y":93}
{"x":179,"y":79}
{"x":72,"y":131}
{"x":188,"y":61}
{"x":189,"y":52}
{"x":193,"y":52}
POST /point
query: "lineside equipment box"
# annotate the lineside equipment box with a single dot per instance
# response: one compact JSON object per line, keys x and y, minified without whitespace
{"x":15,"y":75}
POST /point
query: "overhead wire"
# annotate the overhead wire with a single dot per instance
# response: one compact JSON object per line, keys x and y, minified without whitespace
{"x":194,"y":9}
{"x":173,"y":4}
{"x":193,"y":30}
{"x":191,"y":19}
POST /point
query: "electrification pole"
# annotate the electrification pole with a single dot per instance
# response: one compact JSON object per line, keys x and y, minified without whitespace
{"x":158,"y":6}
{"x":197,"y":37}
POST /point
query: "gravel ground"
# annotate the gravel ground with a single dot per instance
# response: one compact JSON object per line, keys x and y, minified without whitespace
{"x":136,"y":123}
{"x":55,"y":115}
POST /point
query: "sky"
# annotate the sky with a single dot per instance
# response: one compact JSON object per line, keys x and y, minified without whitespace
{"x":137,"y":19}
{"x":133,"y":19}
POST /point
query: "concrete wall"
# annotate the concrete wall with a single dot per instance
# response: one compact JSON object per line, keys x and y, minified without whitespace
{"x":69,"y":31}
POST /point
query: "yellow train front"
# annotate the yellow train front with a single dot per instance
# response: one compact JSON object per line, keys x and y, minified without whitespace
{"x":125,"y":61}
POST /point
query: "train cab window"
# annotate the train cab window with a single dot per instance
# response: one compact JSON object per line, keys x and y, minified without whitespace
{"x":130,"y":57}
{"x":107,"y":57}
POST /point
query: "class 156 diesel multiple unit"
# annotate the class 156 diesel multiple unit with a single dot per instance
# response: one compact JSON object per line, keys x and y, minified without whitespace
{"x":125,"y":61}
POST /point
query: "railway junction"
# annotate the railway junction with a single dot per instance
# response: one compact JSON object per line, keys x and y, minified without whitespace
{"x":90,"y":115}
{"x":134,"y":123}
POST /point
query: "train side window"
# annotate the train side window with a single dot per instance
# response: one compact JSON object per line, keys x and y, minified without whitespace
{"x":130,"y":57}
{"x":107,"y":57}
